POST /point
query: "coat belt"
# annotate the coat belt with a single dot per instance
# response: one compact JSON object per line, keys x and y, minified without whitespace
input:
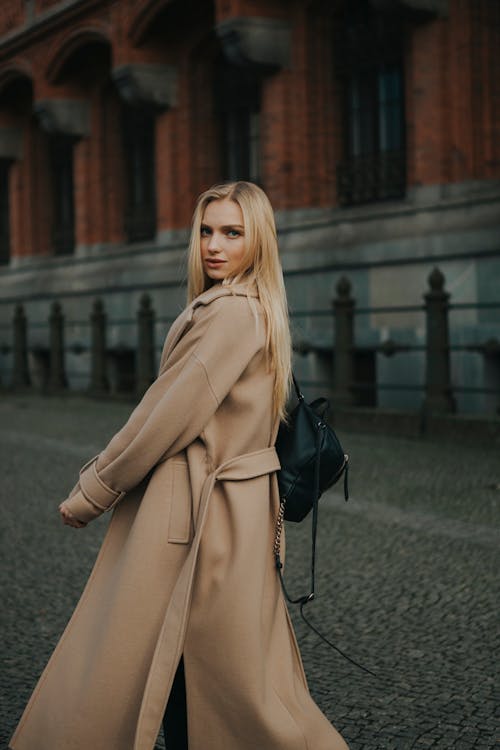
{"x":167,"y":654}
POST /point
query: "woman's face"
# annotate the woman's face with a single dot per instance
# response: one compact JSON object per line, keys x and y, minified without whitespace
{"x":222,"y":239}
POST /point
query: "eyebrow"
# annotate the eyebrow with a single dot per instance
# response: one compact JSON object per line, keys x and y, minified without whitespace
{"x":226,"y":226}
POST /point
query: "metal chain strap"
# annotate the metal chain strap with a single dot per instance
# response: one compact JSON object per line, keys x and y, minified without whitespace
{"x":278,"y":529}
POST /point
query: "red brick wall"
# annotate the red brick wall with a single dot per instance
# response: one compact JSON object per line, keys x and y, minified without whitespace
{"x":98,"y":176}
{"x":425,"y":107}
{"x":11,"y":15}
{"x":188,"y":150}
{"x":452,"y":110}
{"x":263,"y":8}
{"x":453,"y":91}
{"x":41,"y":5}
{"x":30,"y":210}
{"x":485,"y":87}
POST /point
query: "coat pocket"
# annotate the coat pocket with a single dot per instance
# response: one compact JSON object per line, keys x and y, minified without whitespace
{"x":180,"y":522}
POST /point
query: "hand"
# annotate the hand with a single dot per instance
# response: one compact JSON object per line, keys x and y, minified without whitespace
{"x":69,"y":519}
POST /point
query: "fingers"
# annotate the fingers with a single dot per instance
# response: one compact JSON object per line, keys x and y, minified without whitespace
{"x":69,"y":519}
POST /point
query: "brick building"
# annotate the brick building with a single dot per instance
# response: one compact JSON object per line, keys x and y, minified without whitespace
{"x":373,"y":125}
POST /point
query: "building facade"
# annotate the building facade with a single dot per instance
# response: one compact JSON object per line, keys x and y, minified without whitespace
{"x":373,"y":125}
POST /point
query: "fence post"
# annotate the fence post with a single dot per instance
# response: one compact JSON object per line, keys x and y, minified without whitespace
{"x":57,"y":377}
{"x":145,"y":345}
{"x":343,"y":306}
{"x":438,"y":395}
{"x":20,"y":371}
{"x":98,"y":378}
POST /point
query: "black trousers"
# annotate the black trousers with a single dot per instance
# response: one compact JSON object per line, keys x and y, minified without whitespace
{"x":175,"y":716}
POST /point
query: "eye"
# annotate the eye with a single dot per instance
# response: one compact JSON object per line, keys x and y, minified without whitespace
{"x":205,"y":231}
{"x":233,"y":233}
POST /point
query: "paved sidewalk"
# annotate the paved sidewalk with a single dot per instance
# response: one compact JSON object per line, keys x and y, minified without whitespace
{"x":407,"y":584}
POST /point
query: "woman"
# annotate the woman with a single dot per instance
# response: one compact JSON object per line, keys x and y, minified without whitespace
{"x":184,"y":588}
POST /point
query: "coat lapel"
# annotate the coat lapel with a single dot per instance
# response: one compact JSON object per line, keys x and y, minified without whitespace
{"x":183,"y":321}
{"x":174,"y":334}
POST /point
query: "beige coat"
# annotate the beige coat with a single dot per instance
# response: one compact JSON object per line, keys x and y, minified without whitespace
{"x":186,"y":566}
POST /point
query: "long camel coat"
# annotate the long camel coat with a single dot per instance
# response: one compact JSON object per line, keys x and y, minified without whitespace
{"x":186,"y":567}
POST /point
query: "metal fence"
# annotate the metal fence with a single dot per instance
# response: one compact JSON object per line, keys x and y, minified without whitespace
{"x":43,"y":367}
{"x":438,"y":395}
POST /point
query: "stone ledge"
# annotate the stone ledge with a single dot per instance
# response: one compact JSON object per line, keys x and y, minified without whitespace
{"x":11,"y":143}
{"x":484,"y":430}
{"x":256,"y":41}
{"x":64,"y":116}
{"x":147,"y":84}
{"x":425,"y":9}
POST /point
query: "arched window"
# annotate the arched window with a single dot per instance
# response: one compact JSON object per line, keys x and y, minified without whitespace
{"x":139,"y":157}
{"x":63,"y":207}
{"x":237,"y":97}
{"x":369,"y":61}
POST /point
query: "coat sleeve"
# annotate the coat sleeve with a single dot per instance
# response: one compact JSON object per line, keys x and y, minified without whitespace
{"x":177,"y":406}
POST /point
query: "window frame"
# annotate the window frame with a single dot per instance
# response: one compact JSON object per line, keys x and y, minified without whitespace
{"x":369,"y":47}
{"x":62,"y":181}
{"x":138,"y":128}
{"x":238,"y":109}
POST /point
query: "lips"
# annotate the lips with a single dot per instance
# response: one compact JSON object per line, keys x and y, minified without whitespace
{"x":212,"y":262}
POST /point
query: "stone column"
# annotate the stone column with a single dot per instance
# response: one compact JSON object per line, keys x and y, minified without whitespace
{"x":343,"y":362}
{"x":438,"y":396}
{"x":20,"y":371}
{"x":57,"y":377}
{"x":145,"y":373}
{"x":99,"y":384}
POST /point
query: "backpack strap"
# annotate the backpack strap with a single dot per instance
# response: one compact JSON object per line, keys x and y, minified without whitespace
{"x":298,"y":392}
{"x":303,"y":600}
{"x":314,"y":529}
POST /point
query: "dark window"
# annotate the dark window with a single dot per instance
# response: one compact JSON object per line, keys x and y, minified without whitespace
{"x":238,"y":106}
{"x":4,"y":211}
{"x":139,"y":155}
{"x":371,"y":69}
{"x":63,"y":206}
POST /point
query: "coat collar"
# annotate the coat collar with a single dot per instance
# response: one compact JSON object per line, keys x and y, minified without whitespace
{"x":220,"y":290}
{"x":205,"y":298}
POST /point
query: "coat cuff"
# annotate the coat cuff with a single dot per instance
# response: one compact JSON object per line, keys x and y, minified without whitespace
{"x":93,"y":496}
{"x":81,"y":508}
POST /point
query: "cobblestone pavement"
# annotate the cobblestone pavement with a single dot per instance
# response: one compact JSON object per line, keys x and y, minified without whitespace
{"x":407,"y":576}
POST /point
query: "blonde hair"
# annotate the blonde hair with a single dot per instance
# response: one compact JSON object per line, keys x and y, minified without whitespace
{"x":260,"y":267}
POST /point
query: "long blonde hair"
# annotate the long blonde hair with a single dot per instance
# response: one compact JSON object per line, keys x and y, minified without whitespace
{"x":260,"y":267}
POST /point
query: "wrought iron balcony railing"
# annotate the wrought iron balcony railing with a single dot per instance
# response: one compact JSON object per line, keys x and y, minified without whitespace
{"x":365,"y":179}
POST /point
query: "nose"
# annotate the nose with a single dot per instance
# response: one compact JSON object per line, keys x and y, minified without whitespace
{"x":213,"y":244}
